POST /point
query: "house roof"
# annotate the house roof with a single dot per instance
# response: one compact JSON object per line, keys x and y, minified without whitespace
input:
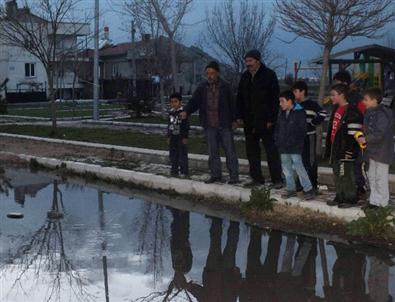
{"x":380,"y":52}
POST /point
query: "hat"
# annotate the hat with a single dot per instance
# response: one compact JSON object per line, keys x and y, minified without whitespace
{"x":213,"y":65}
{"x":253,"y":53}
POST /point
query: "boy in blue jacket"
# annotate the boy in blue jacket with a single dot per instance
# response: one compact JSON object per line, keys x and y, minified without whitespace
{"x":290,"y":134}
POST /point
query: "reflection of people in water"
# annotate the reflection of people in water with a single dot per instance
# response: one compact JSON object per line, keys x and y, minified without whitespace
{"x":297,"y":282}
{"x":221,"y":276}
{"x":260,"y":280}
{"x":181,"y":253}
{"x":348,"y":282}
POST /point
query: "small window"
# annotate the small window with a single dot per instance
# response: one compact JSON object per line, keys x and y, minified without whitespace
{"x":29,"y":70}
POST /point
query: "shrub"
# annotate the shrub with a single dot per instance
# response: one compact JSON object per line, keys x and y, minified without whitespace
{"x":260,"y":200}
{"x":377,"y":222}
{"x":140,"y":106}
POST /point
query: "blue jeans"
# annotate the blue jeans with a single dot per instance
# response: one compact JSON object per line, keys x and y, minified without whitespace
{"x":292,"y":163}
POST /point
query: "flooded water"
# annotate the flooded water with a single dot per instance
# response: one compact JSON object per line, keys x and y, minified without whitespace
{"x":111,"y":247}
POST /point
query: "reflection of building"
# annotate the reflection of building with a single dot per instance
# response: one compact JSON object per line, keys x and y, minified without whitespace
{"x":26,"y":185}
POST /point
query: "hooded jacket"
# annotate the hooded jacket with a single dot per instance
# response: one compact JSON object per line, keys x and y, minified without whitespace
{"x":378,"y":127}
{"x":291,"y":130}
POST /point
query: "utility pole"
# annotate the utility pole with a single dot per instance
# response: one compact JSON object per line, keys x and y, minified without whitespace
{"x":134,"y":68}
{"x":96,"y":65}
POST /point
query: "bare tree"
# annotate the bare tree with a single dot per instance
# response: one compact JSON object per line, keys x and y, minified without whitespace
{"x":231,"y":31}
{"x":170,"y":14}
{"x":329,"y":22}
{"x":41,"y":29}
{"x":389,"y":40}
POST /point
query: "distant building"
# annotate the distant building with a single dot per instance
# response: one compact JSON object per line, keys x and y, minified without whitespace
{"x":152,"y":61}
{"x":26,"y":74}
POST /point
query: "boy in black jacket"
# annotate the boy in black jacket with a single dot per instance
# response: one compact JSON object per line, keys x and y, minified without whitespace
{"x":177,"y":132}
{"x":290,"y":133}
{"x":315,"y":115}
{"x":341,"y":146}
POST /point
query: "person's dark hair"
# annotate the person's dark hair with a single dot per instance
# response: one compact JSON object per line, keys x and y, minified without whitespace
{"x":176,"y":95}
{"x":341,"y":89}
{"x":301,"y":85}
{"x":213,"y":65}
{"x":343,"y":76}
{"x":288,"y":95}
{"x":374,"y":93}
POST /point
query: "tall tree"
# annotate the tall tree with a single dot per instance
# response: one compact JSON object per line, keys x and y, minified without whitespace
{"x":231,"y":31}
{"x":329,"y":22}
{"x":41,"y":28}
{"x":170,"y":14}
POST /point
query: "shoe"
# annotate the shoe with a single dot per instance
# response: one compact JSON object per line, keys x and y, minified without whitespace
{"x":255,"y":183}
{"x":309,"y":195}
{"x":212,"y":180}
{"x":277,"y":185}
{"x":184,"y":176}
{"x":233,"y":181}
{"x":332,"y":203}
{"x":346,"y":205}
{"x":288,"y":194}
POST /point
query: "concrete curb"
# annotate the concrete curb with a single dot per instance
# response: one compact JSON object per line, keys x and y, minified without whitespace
{"x":227,"y":193}
{"x":196,"y":161}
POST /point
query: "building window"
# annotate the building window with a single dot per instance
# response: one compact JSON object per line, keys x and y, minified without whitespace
{"x":29,"y":70}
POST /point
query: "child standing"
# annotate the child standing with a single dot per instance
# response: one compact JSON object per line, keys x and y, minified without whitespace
{"x":378,"y":128}
{"x":341,"y":147}
{"x":315,"y":115}
{"x":290,"y":133}
{"x":178,"y":137}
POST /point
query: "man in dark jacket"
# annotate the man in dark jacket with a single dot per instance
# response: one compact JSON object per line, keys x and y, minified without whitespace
{"x":217,"y":112}
{"x":257,"y":109}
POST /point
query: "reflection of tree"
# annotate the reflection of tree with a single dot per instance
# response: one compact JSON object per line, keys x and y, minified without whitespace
{"x":152,"y":225}
{"x":5,"y":183}
{"x":45,"y":253}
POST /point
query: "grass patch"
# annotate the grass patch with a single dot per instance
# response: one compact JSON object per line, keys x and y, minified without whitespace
{"x":46,"y":112}
{"x":193,"y":120}
{"x":377,"y":223}
{"x":260,"y":200}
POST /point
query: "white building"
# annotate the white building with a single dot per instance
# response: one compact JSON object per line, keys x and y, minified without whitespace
{"x":26,"y":73}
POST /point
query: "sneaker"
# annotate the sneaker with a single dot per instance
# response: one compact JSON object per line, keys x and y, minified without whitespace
{"x":212,"y":180}
{"x":278,"y":185}
{"x":184,"y":176}
{"x":288,"y":194}
{"x":309,"y":195}
{"x":370,"y":207}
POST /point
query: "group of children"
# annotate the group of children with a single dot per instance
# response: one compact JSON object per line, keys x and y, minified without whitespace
{"x":357,"y":129}
{"x":360,"y":126}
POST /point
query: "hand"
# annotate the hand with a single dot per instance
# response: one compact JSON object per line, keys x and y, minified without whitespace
{"x":168,"y":141}
{"x":269,"y":125}
{"x":184,"y":141}
{"x":361,"y":140}
{"x":235,"y":125}
{"x":183,"y":115}
{"x":239,"y":122}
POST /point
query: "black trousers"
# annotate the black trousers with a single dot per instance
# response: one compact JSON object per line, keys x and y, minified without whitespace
{"x":178,"y":156}
{"x":253,"y":150}
{"x":309,"y":157}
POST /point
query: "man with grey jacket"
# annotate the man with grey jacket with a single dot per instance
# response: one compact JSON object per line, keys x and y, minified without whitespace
{"x":378,"y":129}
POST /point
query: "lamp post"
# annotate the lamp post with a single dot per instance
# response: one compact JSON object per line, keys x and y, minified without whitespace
{"x":96,"y":65}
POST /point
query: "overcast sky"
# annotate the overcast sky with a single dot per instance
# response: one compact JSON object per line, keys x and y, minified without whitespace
{"x":301,"y":49}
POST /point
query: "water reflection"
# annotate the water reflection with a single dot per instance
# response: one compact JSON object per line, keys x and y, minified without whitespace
{"x":110,"y":248}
